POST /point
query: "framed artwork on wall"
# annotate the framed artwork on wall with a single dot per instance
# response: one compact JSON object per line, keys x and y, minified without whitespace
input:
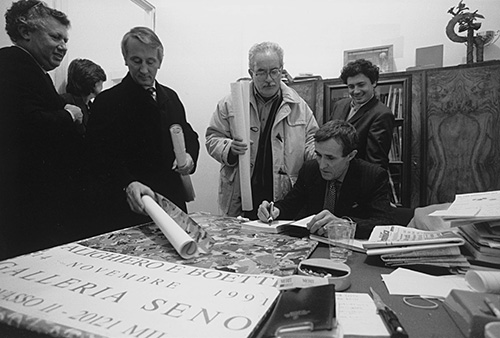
{"x":382,"y":56}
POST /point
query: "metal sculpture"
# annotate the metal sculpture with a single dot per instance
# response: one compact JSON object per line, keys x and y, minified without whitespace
{"x":466,"y":23}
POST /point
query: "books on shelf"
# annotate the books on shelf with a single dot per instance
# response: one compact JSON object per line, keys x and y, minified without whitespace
{"x":395,"y":153}
{"x":395,"y":192}
{"x":394,"y":100}
{"x":298,"y":227}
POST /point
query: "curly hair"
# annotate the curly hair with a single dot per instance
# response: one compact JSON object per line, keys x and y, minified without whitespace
{"x":341,"y":131}
{"x":31,"y":14}
{"x":264,"y":47}
{"x":83,"y":74}
{"x":360,"y":66}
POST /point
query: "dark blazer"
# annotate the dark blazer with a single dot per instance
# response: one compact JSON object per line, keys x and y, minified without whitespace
{"x":78,"y":101}
{"x":363,"y":196}
{"x":129,"y":140}
{"x":374,"y":123}
{"x":37,"y":140}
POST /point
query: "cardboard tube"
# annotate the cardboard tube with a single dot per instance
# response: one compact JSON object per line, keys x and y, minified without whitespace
{"x":180,"y":155}
{"x":180,"y":240}
{"x":240,"y":100}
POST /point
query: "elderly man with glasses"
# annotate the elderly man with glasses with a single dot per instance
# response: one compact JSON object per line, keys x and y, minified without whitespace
{"x":282,"y":129}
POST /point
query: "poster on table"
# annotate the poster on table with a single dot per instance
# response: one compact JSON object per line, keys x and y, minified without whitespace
{"x":73,"y":290}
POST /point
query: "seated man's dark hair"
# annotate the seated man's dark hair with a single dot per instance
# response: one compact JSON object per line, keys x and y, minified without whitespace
{"x":343,"y":132}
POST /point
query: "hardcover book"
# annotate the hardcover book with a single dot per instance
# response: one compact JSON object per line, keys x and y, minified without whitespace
{"x":301,"y":310}
{"x":298,"y":228}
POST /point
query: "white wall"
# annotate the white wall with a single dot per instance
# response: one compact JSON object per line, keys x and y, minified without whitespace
{"x":206,"y":44}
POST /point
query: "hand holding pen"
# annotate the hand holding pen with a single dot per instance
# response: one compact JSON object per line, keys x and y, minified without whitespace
{"x":267,"y":212}
{"x":271,"y":210}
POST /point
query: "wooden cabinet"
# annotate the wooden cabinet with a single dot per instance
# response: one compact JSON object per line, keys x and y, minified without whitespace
{"x":459,"y":138}
{"x":449,"y":127}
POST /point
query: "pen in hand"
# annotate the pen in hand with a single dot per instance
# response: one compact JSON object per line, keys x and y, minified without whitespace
{"x":271,"y":210}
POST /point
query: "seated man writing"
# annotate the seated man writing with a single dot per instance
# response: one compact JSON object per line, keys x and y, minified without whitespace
{"x":336,"y":185}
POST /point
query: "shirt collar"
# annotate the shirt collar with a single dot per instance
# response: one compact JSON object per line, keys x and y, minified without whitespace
{"x":357,"y":107}
{"x":342,"y":177}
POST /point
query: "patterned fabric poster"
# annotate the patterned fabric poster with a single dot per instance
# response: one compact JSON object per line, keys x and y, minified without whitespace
{"x":233,"y":249}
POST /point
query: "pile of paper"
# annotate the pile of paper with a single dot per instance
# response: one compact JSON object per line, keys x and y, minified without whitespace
{"x":401,"y":246}
{"x":477,"y":218}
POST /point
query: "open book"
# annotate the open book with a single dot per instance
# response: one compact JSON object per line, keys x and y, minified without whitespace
{"x":386,"y":239}
{"x":279,"y":226}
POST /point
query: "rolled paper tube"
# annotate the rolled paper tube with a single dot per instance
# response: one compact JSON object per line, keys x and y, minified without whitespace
{"x":180,"y":240}
{"x":240,"y":96}
{"x":188,"y":187}
{"x":179,"y":145}
{"x":180,"y":155}
{"x":483,"y":280}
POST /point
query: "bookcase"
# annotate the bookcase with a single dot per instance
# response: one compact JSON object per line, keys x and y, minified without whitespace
{"x":395,"y":91}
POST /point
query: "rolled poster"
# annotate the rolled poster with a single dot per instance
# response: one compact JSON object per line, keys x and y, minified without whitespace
{"x":180,"y":156}
{"x":180,"y":240}
{"x":241,"y":105}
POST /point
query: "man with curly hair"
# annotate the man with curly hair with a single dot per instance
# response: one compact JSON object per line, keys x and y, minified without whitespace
{"x":373,"y":120}
{"x":37,"y":132}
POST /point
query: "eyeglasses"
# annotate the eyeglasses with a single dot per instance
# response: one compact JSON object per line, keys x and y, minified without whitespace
{"x":262,"y":74}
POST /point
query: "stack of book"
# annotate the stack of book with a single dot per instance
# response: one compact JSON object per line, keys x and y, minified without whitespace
{"x":477,"y":218}
{"x":401,"y":246}
{"x":482,"y":242}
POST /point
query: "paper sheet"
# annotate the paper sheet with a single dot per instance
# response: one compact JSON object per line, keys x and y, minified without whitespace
{"x":477,"y":205}
{"x":357,"y":316}
{"x":180,"y":240}
{"x":240,"y":100}
{"x":408,"y":282}
{"x":180,"y":155}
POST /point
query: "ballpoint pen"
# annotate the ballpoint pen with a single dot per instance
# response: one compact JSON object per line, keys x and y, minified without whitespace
{"x":390,"y":319}
{"x":271,"y":209}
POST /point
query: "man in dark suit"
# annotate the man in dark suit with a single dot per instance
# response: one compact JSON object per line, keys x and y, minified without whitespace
{"x":129,"y":138}
{"x":336,"y":185}
{"x":373,"y":120}
{"x":38,"y":133}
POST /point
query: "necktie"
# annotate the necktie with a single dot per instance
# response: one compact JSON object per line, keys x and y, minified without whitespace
{"x":152,"y":92}
{"x":331,"y":196}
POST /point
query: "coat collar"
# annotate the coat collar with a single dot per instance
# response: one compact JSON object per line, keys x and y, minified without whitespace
{"x":363,"y":109}
{"x":130,"y":85}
